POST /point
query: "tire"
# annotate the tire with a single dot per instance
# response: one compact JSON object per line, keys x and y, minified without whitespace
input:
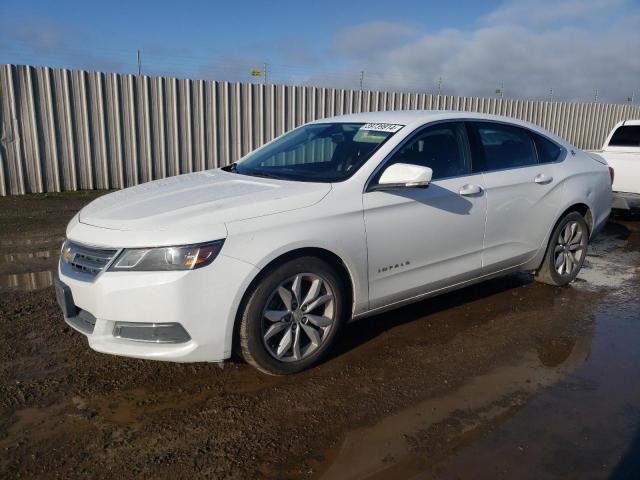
{"x":288,"y":304}
{"x":566,"y":251}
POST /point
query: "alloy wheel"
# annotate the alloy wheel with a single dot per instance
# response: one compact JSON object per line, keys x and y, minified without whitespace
{"x":298,"y":317}
{"x":570,"y":249}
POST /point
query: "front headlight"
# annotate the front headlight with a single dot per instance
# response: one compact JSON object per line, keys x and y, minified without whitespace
{"x":186,"y":257}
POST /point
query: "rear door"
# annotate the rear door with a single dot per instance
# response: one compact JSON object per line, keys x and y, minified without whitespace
{"x":523,"y":182}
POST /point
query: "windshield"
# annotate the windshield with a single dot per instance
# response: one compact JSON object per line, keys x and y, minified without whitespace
{"x":322,"y":152}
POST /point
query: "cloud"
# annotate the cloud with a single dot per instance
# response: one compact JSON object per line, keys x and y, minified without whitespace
{"x":296,"y":50}
{"x":508,"y":46}
{"x":51,"y":43}
{"x":572,"y":46}
{"x":370,"y":38}
{"x":38,"y":36}
{"x":232,"y":68}
{"x":544,"y":12}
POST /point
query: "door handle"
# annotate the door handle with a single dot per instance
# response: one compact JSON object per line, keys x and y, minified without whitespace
{"x":543,"y":179}
{"x":469,"y":189}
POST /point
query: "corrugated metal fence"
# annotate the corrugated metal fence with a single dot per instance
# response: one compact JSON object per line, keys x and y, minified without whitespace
{"x":67,"y":130}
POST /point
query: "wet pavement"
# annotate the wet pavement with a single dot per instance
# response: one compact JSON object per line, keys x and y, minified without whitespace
{"x":507,"y":379}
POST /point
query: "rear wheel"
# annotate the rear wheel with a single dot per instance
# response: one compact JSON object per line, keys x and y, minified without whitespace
{"x":292,"y":316}
{"x":566,"y":251}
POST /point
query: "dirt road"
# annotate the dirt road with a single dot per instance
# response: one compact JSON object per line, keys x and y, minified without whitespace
{"x":508,"y":379}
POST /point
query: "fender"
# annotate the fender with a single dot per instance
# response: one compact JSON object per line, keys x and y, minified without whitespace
{"x":575,"y":196}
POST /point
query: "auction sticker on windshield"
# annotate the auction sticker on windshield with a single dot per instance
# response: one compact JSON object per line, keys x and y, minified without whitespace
{"x":381,"y":127}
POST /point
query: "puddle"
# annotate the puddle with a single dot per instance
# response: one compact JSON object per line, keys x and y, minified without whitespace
{"x":136,"y":406}
{"x":31,"y":241}
{"x":586,"y":426}
{"x":26,"y":256}
{"x":608,"y":264}
{"x":37,"y":423}
{"x":390,"y":449}
{"x":28,"y":264}
{"x":26,"y":281}
{"x":567,"y":409}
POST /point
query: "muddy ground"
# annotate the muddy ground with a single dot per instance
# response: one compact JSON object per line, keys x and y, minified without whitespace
{"x":507,"y":379}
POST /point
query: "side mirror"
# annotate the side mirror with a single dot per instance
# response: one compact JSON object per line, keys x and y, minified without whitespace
{"x":404,"y":175}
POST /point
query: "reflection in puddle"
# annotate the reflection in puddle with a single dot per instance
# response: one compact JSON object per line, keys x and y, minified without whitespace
{"x":567,"y":409}
{"x":585,"y":426}
{"x":21,"y":257}
{"x":390,"y":449}
{"x":30,"y":241}
{"x":27,"y":281}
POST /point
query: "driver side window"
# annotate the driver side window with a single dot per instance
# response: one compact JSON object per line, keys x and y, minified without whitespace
{"x":443,"y":148}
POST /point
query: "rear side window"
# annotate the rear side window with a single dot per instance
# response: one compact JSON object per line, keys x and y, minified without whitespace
{"x":505,"y":146}
{"x":626,"y":136}
{"x":548,"y":152}
{"x":443,"y":148}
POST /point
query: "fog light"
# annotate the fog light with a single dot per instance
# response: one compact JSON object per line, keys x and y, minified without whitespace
{"x":151,"y":332}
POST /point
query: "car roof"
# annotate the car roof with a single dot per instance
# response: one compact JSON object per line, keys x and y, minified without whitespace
{"x":631,"y":122}
{"x":408,"y":117}
{"x":415,"y":118}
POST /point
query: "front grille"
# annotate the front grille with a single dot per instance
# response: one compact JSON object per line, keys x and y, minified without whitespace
{"x":89,"y":260}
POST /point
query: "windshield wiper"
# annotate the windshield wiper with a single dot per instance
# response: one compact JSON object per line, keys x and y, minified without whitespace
{"x":233,"y":168}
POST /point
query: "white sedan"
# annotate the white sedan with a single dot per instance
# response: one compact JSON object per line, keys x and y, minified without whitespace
{"x":339,"y":219}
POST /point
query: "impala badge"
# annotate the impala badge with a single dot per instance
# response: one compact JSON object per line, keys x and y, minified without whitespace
{"x":393,"y":267}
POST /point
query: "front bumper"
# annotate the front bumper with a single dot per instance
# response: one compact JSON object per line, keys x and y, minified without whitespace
{"x":203,"y":302}
{"x":625,"y":201}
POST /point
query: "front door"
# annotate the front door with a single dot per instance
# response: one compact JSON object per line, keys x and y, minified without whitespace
{"x":423,"y":239}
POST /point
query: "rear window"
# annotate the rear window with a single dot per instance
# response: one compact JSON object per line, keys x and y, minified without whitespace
{"x":548,"y":152}
{"x":626,"y":136}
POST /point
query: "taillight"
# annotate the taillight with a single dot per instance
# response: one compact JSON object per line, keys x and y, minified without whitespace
{"x":611,"y":174}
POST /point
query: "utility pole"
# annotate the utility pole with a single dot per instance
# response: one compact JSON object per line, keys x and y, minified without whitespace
{"x":439,"y":86}
{"x":361,"y":80}
{"x":139,"y":64}
{"x":264,"y":72}
{"x":502,"y":89}
{"x":595,"y":99}
{"x":551,"y":94}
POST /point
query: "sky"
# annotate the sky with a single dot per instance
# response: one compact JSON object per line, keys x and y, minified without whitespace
{"x":560,"y":49}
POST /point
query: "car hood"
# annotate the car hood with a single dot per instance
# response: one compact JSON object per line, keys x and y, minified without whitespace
{"x":197,"y":200}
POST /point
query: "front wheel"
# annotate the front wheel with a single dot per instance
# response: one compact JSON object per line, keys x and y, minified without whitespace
{"x":292,"y":316}
{"x":566,"y":251}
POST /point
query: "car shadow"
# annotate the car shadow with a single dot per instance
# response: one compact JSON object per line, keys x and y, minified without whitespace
{"x":359,"y":332}
{"x":437,"y":197}
{"x":617,"y":227}
{"x":624,"y":215}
